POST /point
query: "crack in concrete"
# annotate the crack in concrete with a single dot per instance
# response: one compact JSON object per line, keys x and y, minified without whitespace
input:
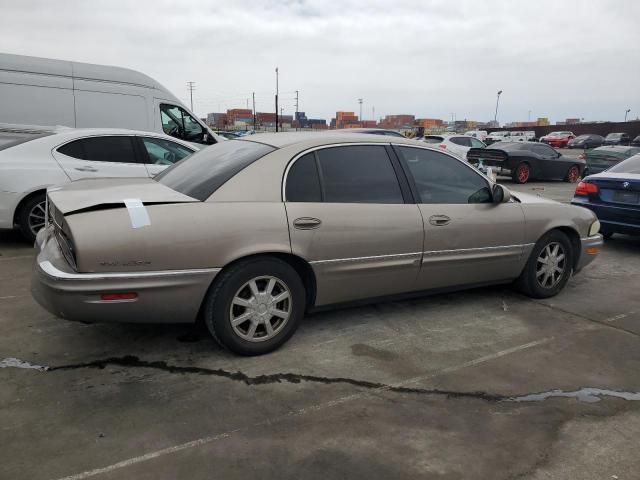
{"x":135,"y":362}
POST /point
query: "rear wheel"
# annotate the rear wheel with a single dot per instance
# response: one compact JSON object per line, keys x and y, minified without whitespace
{"x":573,"y":174}
{"x":255,"y":306}
{"x":522,"y":173}
{"x":549,"y":266}
{"x":607,"y":235}
{"x":31,"y":217}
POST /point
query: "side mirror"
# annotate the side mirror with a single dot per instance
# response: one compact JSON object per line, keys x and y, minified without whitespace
{"x":500,"y":194}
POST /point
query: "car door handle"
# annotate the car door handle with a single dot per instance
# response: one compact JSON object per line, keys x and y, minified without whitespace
{"x":86,"y":169}
{"x":306,"y":223}
{"x":439,"y":220}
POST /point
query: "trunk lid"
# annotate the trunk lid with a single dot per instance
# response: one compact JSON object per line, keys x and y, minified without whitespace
{"x":102,"y":193}
{"x":618,"y":188}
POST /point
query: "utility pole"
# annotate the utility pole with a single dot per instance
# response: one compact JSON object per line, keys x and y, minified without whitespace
{"x":254,"y":110}
{"x":281,"y":115}
{"x":495,"y":118}
{"x":191,"y":86}
{"x":373,"y":112}
{"x":296,"y":117}
{"x":529,"y":116}
{"x":625,"y":113}
{"x":360,"y":102}
{"x":277,"y":99}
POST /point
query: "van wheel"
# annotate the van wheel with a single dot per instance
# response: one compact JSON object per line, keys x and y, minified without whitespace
{"x":255,"y":306}
{"x":31,"y":217}
{"x":521,"y":173}
{"x":549,"y":266}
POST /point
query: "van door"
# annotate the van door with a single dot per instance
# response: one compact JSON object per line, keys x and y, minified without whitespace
{"x":174,"y":120}
{"x":99,"y":156}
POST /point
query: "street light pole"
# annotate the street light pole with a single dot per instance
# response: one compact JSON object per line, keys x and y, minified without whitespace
{"x":360,"y":102}
{"x":495,"y":118}
{"x":276,"y":99}
{"x":625,"y":113}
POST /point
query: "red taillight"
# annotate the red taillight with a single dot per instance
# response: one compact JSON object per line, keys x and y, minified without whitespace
{"x":115,"y":297}
{"x":442,"y":145}
{"x":585,"y":188}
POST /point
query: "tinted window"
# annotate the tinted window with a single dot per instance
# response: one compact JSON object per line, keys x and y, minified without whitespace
{"x":463,"y":141}
{"x":442,"y":179}
{"x":630,"y":165}
{"x":303,"y":183}
{"x":101,"y":149}
{"x":164,"y":152}
{"x":73,"y":149}
{"x":202,"y":173}
{"x":542,"y":149}
{"x":177,"y":122}
{"x":432,"y":139}
{"x":358,"y":174}
{"x":393,"y":134}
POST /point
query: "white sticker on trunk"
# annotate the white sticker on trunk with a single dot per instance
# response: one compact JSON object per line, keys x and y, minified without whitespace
{"x":137,"y":213}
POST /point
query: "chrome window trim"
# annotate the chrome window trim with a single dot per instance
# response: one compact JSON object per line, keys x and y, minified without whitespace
{"x":48,"y":269}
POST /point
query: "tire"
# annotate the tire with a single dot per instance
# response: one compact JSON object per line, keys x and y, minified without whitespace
{"x":607,"y":235}
{"x":536,"y":285}
{"x":232,"y":297}
{"x":31,"y":215}
{"x":522,"y":173}
{"x":573,"y":174}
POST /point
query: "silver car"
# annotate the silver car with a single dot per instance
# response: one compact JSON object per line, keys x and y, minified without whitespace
{"x":251,"y":234}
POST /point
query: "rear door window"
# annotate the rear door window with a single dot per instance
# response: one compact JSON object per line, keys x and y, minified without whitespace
{"x":118,"y":149}
{"x":462,"y":141}
{"x":303,"y":182}
{"x":358,"y":174}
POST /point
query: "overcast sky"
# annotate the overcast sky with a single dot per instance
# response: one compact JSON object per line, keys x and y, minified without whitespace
{"x":557,"y":59}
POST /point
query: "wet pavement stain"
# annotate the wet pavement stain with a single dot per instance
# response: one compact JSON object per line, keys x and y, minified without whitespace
{"x":587,"y":394}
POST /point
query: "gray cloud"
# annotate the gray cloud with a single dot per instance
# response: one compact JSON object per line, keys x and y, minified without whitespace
{"x":430,"y":58}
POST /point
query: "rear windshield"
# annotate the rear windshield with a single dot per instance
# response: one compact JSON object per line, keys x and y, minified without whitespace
{"x":432,"y":139}
{"x":614,"y":135}
{"x":201,"y":174}
{"x":630,"y":165}
{"x":20,"y":141}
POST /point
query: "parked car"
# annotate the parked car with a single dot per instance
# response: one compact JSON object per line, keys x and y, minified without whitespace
{"x":250,"y":235}
{"x":229,"y":135}
{"x":522,"y":136}
{"x":459,"y":145}
{"x":528,"y":161}
{"x":479,"y":134}
{"x":589,"y":140}
{"x":373,"y":131}
{"x":48,"y":92}
{"x":558,"y":139}
{"x":617,"y":139}
{"x":602,"y":158}
{"x":29,"y":165}
{"x":497,"y":136}
{"x":614,"y":195}
{"x":636,"y":141}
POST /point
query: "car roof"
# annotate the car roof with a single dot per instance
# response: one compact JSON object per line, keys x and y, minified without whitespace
{"x":312,"y":139}
{"x":615,"y":148}
{"x":363,"y":130}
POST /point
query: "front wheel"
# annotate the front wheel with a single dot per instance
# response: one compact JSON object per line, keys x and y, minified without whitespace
{"x":255,"y":306}
{"x":522,"y":173}
{"x":549,"y":266}
{"x":31,"y":217}
{"x":573,"y":174}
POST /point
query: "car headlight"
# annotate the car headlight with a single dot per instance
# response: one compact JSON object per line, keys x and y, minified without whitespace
{"x":594,"y":228}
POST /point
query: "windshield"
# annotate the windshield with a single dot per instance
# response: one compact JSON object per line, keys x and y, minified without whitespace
{"x":614,"y":135}
{"x":630,"y":165}
{"x":582,"y":137}
{"x":20,"y":141}
{"x":201,"y":174}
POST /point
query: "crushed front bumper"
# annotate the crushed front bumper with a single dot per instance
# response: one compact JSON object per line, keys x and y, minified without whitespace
{"x":167,"y":296}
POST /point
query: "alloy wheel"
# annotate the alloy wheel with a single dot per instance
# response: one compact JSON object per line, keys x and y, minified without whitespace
{"x":37,"y":217}
{"x":551,"y":265}
{"x":573,"y":174}
{"x":523,"y":173}
{"x":260,"y":309}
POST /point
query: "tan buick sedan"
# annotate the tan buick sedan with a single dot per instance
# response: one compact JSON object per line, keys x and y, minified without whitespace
{"x":249,"y":235}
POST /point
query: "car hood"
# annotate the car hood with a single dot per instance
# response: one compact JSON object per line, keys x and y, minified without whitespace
{"x":97,"y":193}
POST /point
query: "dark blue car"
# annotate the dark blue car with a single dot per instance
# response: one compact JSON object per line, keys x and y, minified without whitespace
{"x":614,"y":196}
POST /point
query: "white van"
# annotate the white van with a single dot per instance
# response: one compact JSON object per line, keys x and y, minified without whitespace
{"x":479,"y":134}
{"x":45,"y":92}
{"x":522,"y":136}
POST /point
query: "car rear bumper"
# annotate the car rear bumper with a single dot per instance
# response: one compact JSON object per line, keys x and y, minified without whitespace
{"x":589,"y":249}
{"x":167,"y":296}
